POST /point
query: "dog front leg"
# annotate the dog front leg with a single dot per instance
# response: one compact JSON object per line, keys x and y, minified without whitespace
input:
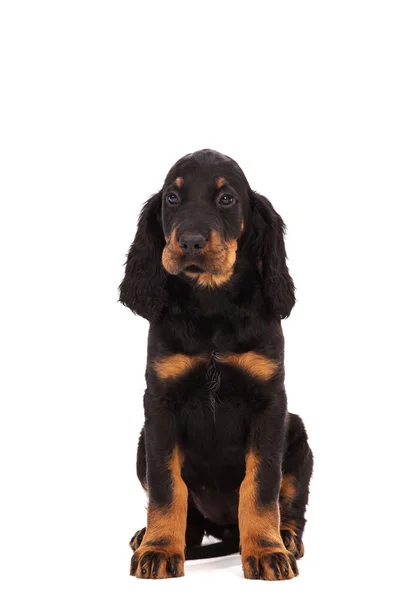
{"x":161,"y":553}
{"x":264,"y":555}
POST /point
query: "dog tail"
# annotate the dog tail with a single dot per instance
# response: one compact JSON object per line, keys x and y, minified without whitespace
{"x":223,"y":548}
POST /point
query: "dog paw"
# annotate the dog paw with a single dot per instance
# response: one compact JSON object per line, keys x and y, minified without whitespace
{"x":137,"y":539}
{"x":292,"y":543}
{"x":157,"y":562}
{"x":269,"y":563}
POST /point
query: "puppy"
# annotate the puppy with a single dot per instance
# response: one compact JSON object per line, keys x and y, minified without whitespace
{"x":219,"y":453}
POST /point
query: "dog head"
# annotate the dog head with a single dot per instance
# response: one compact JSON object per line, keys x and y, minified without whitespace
{"x":195,"y":227}
{"x":203,"y":216}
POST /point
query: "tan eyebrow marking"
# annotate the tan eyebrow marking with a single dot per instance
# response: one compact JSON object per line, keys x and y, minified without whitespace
{"x":179,"y":182}
{"x":220,"y":182}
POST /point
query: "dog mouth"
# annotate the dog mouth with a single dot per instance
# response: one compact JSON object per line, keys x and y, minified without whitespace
{"x":216,"y":258}
{"x":194,"y":269}
{"x":195,"y":265}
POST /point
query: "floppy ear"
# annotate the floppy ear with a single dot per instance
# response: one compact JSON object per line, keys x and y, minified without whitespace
{"x":143,"y":287}
{"x":269,"y":246}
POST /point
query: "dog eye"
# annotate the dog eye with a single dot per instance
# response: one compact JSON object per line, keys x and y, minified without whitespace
{"x":226,"y":199}
{"x":172,"y":199}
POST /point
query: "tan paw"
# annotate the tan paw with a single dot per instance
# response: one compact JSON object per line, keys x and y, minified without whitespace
{"x":157,"y":562}
{"x":292,"y":543}
{"x":137,"y":539}
{"x":269,"y":562}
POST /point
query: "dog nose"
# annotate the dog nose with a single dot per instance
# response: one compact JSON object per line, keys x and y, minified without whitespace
{"x":192,"y":243}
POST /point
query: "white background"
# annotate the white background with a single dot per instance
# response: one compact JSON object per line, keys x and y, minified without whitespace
{"x":98,"y":100}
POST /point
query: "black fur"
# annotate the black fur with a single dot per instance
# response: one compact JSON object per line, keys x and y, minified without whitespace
{"x":269,"y":247}
{"x":215,"y":412}
{"x":143,"y":287}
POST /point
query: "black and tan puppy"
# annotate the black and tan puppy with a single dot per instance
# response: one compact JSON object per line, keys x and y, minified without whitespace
{"x":219,"y":453}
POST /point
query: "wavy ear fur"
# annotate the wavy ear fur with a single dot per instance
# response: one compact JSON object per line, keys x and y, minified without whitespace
{"x":143,"y":287}
{"x":269,"y":245}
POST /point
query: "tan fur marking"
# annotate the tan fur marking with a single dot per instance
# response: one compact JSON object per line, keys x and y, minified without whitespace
{"x":218,"y":256}
{"x":221,"y":255}
{"x":168,"y":523}
{"x":295,"y":546}
{"x":176,"y":365}
{"x":291,"y":538}
{"x":286,"y":527}
{"x":220,"y":182}
{"x":290,"y":525}
{"x":231,"y":254}
{"x":172,"y":251}
{"x":179,"y":182}
{"x":256,"y":522}
{"x":288,"y":489}
{"x":210,"y":280}
{"x":259,"y":366}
